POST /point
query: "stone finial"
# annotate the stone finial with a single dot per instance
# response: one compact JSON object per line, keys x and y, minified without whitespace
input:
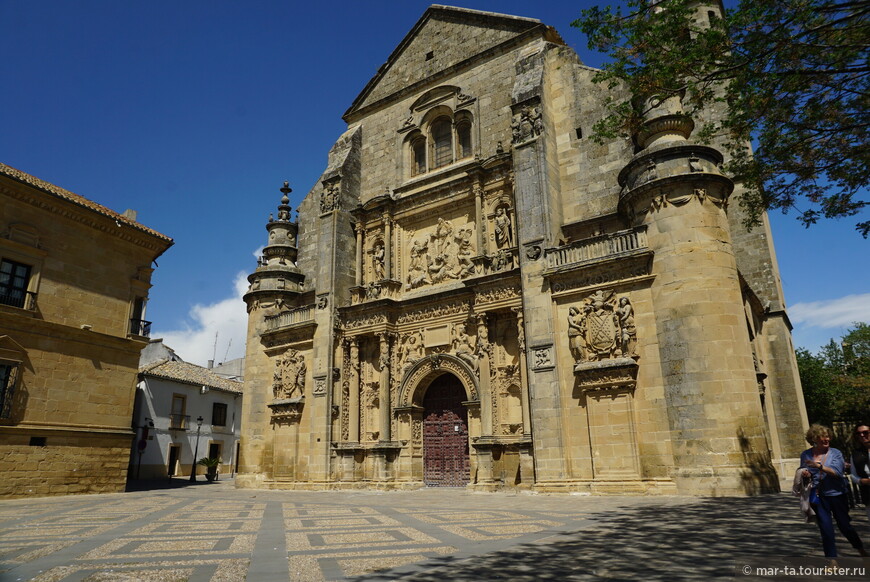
{"x":284,"y":208}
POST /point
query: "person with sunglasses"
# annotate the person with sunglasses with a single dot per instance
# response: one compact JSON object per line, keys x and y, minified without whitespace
{"x":861,"y":462}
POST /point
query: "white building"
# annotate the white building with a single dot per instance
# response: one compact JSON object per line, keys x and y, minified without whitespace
{"x":171,"y":398}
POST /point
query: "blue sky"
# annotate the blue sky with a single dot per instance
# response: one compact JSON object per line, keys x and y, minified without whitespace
{"x":193,"y":113}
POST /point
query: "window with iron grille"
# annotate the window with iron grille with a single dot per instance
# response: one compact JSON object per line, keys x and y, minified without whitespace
{"x":14,"y":278}
{"x":8,"y":377}
{"x":442,"y":143}
{"x":218,"y":414}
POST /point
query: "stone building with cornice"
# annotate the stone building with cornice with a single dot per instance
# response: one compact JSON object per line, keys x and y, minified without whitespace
{"x":476,"y":294}
{"x":74,"y":280}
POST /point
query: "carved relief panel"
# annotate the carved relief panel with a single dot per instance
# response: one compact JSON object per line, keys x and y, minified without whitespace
{"x":440,"y":253}
{"x":289,"y":376}
{"x":602,"y":327}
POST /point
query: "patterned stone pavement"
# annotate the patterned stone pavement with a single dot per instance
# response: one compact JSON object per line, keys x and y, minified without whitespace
{"x":213,"y":532}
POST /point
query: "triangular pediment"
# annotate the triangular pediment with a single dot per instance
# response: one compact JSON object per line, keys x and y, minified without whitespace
{"x":443,"y":38}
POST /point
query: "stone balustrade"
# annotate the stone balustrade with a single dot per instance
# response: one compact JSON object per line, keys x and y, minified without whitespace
{"x":292,"y":317}
{"x":597,"y":247}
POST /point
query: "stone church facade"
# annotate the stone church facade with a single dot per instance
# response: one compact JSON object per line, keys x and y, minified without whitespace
{"x":476,"y":294}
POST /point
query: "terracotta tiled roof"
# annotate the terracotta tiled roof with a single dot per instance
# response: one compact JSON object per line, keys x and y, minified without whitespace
{"x":49,"y":188}
{"x":190,"y":374}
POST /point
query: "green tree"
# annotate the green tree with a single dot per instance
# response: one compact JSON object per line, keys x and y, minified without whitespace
{"x":790,"y":76}
{"x":836,"y":381}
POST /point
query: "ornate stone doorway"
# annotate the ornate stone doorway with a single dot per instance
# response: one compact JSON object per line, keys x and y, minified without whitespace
{"x":445,"y":434}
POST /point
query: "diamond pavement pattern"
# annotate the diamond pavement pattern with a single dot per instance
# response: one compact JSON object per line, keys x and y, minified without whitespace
{"x":217,"y":533}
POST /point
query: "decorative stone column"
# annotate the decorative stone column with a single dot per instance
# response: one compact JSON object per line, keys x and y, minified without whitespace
{"x":388,"y":246}
{"x":359,"y":253}
{"x":479,"y":217}
{"x":384,"y":387}
{"x":527,"y":460}
{"x":353,"y":400}
{"x":524,"y":379}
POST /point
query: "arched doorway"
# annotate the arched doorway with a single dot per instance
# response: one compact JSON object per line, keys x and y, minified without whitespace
{"x":445,"y":434}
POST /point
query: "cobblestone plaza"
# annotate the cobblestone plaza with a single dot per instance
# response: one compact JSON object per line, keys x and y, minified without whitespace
{"x":214,"y":532}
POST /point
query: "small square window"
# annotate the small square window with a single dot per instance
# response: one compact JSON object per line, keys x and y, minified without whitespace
{"x":430,"y":55}
{"x":37,"y":441}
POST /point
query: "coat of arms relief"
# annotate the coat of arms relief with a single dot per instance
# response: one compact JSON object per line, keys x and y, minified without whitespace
{"x":602,"y":327}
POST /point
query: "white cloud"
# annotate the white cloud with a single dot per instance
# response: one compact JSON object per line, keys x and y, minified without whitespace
{"x":834,"y":313}
{"x":228,"y":318}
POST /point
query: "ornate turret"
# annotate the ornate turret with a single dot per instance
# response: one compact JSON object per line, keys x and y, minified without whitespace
{"x":675,"y":188}
{"x":277,"y":278}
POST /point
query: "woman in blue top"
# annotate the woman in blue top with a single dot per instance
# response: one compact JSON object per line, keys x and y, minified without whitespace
{"x":824,"y":465}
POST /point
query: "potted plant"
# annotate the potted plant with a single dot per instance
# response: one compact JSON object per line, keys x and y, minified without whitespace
{"x":211,"y":467}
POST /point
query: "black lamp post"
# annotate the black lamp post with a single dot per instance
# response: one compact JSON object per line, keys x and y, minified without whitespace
{"x":196,"y":449}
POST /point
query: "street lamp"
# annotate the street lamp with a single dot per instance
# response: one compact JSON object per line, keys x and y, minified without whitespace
{"x":195,"y":450}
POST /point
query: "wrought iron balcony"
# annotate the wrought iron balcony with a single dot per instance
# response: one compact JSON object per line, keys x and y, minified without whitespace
{"x":140,"y":327}
{"x":179,"y":421}
{"x":18,"y":298}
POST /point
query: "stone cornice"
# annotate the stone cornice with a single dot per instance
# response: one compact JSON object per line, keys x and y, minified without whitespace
{"x":101,"y":219}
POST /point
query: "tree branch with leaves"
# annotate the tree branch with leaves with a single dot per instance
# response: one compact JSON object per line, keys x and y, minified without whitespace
{"x":790,"y":77}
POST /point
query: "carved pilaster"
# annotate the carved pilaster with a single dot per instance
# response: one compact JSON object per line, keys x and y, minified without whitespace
{"x":524,"y":374}
{"x":353,"y":400}
{"x":384,"y":387}
{"x":359,"y":253}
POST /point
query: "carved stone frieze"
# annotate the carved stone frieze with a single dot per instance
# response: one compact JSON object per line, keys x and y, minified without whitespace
{"x":496,"y":294}
{"x":606,"y":374}
{"x":286,"y":410}
{"x":357,"y":321}
{"x":433,"y":311}
{"x":603,"y":274}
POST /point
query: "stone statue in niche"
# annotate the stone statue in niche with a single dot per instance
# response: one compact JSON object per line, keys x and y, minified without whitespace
{"x":462,"y":346}
{"x":503,"y":234}
{"x":378,"y":261}
{"x":602,"y":328}
{"x":289,"y":377}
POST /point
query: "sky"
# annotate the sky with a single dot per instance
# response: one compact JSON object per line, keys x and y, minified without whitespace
{"x":194,"y":113}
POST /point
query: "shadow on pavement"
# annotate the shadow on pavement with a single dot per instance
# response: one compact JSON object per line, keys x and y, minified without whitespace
{"x":172,"y":483}
{"x":701,"y":541}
